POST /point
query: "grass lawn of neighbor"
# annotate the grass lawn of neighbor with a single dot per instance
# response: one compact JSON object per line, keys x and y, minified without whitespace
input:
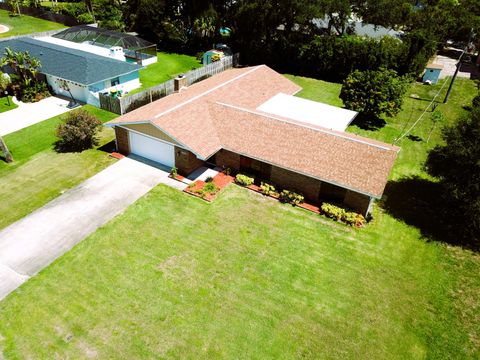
{"x":21,"y":25}
{"x":6,"y":104}
{"x":248,"y":277}
{"x":39,"y":174}
{"x":167,"y":67}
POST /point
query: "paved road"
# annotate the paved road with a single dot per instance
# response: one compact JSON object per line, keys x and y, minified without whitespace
{"x":29,"y":114}
{"x":33,"y":242}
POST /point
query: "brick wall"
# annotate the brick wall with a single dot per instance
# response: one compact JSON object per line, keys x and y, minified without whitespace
{"x":227,"y":159}
{"x":309,"y":187}
{"x":186,"y":161}
{"x":357,"y":201}
{"x":123,"y":144}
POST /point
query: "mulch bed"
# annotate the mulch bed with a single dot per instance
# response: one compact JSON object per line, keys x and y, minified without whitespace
{"x":220,"y":180}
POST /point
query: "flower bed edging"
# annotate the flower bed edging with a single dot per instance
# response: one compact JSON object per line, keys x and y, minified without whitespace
{"x":304,"y":205}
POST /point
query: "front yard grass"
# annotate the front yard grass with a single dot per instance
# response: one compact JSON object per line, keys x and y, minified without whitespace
{"x":247,"y":277}
{"x":7,"y":104}
{"x":168,"y":66}
{"x":21,"y":25}
{"x":39,"y":174}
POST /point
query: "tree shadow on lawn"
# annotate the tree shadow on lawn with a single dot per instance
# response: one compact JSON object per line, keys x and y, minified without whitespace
{"x":370,"y":123}
{"x":419,"y":202}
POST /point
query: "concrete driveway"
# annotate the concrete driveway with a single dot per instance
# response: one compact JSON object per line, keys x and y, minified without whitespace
{"x":32,"y":113}
{"x":33,"y":242}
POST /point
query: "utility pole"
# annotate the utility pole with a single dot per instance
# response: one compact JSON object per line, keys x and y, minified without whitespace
{"x":459,"y":63}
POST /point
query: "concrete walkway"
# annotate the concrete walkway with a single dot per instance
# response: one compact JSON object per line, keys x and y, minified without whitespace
{"x":29,"y":114}
{"x":33,"y":242}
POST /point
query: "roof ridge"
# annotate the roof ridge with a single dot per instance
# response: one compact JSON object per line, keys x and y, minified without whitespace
{"x":176,"y":107}
{"x":300,"y":124}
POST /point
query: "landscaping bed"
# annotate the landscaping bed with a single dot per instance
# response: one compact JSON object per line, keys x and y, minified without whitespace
{"x":208,"y":190}
{"x":337,"y":213}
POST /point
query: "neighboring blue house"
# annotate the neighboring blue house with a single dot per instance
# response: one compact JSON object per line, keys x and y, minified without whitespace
{"x":85,"y":73}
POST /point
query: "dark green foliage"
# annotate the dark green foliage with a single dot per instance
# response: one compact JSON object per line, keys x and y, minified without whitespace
{"x":476,"y":101}
{"x":331,"y":57}
{"x":77,"y":132}
{"x":457,"y":165}
{"x":24,"y":69}
{"x":374,"y":93}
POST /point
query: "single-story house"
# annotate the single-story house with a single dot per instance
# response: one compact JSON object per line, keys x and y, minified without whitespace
{"x":86,"y":73}
{"x":228,"y":121}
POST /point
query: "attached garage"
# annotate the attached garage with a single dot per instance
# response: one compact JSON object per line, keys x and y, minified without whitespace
{"x":152,"y":149}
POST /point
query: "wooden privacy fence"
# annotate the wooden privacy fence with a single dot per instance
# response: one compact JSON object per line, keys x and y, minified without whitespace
{"x":129,"y":103}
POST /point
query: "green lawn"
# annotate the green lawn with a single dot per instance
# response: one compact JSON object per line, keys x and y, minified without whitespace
{"x":247,"y":277}
{"x":21,"y":25}
{"x":38,"y":173}
{"x":6,"y":104}
{"x":167,"y":67}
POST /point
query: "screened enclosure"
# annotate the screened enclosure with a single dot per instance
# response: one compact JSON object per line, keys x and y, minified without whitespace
{"x":135,"y":49}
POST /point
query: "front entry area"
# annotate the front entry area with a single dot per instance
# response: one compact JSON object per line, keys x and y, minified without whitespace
{"x":149,"y":148}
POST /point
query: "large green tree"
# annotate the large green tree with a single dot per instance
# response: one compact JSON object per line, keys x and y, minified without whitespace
{"x":374,"y":92}
{"x":457,"y":164}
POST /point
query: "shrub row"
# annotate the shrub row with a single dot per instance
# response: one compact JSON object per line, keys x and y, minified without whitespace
{"x":340,"y":214}
{"x":286,"y":196}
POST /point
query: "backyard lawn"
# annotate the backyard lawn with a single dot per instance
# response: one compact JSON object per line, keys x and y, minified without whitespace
{"x":21,"y":25}
{"x":38,"y":173}
{"x":415,"y":147}
{"x":248,"y":277}
{"x":167,"y":67}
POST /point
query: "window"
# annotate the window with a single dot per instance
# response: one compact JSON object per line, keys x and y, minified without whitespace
{"x":115,"y":81}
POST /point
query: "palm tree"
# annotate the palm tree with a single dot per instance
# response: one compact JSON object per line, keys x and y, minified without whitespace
{"x":24,"y":67}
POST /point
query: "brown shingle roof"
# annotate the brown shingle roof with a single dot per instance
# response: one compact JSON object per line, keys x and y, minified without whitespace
{"x":220,"y":113}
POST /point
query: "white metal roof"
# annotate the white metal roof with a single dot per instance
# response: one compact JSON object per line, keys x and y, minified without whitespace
{"x":307,"y":111}
{"x":98,"y":50}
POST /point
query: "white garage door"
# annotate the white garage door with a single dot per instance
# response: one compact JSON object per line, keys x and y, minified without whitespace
{"x":149,"y":148}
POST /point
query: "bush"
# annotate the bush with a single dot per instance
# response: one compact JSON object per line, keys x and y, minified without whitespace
{"x":340,"y":214}
{"x":244,"y":180}
{"x":354,"y":219}
{"x":77,"y":132}
{"x":33,"y":93}
{"x":209,"y":179}
{"x":268,"y":189}
{"x":374,"y":93}
{"x":208,"y":188}
{"x":332,"y":211}
{"x":174,"y":172}
{"x":476,"y":101}
{"x":287,"y":196}
{"x":85,"y":18}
